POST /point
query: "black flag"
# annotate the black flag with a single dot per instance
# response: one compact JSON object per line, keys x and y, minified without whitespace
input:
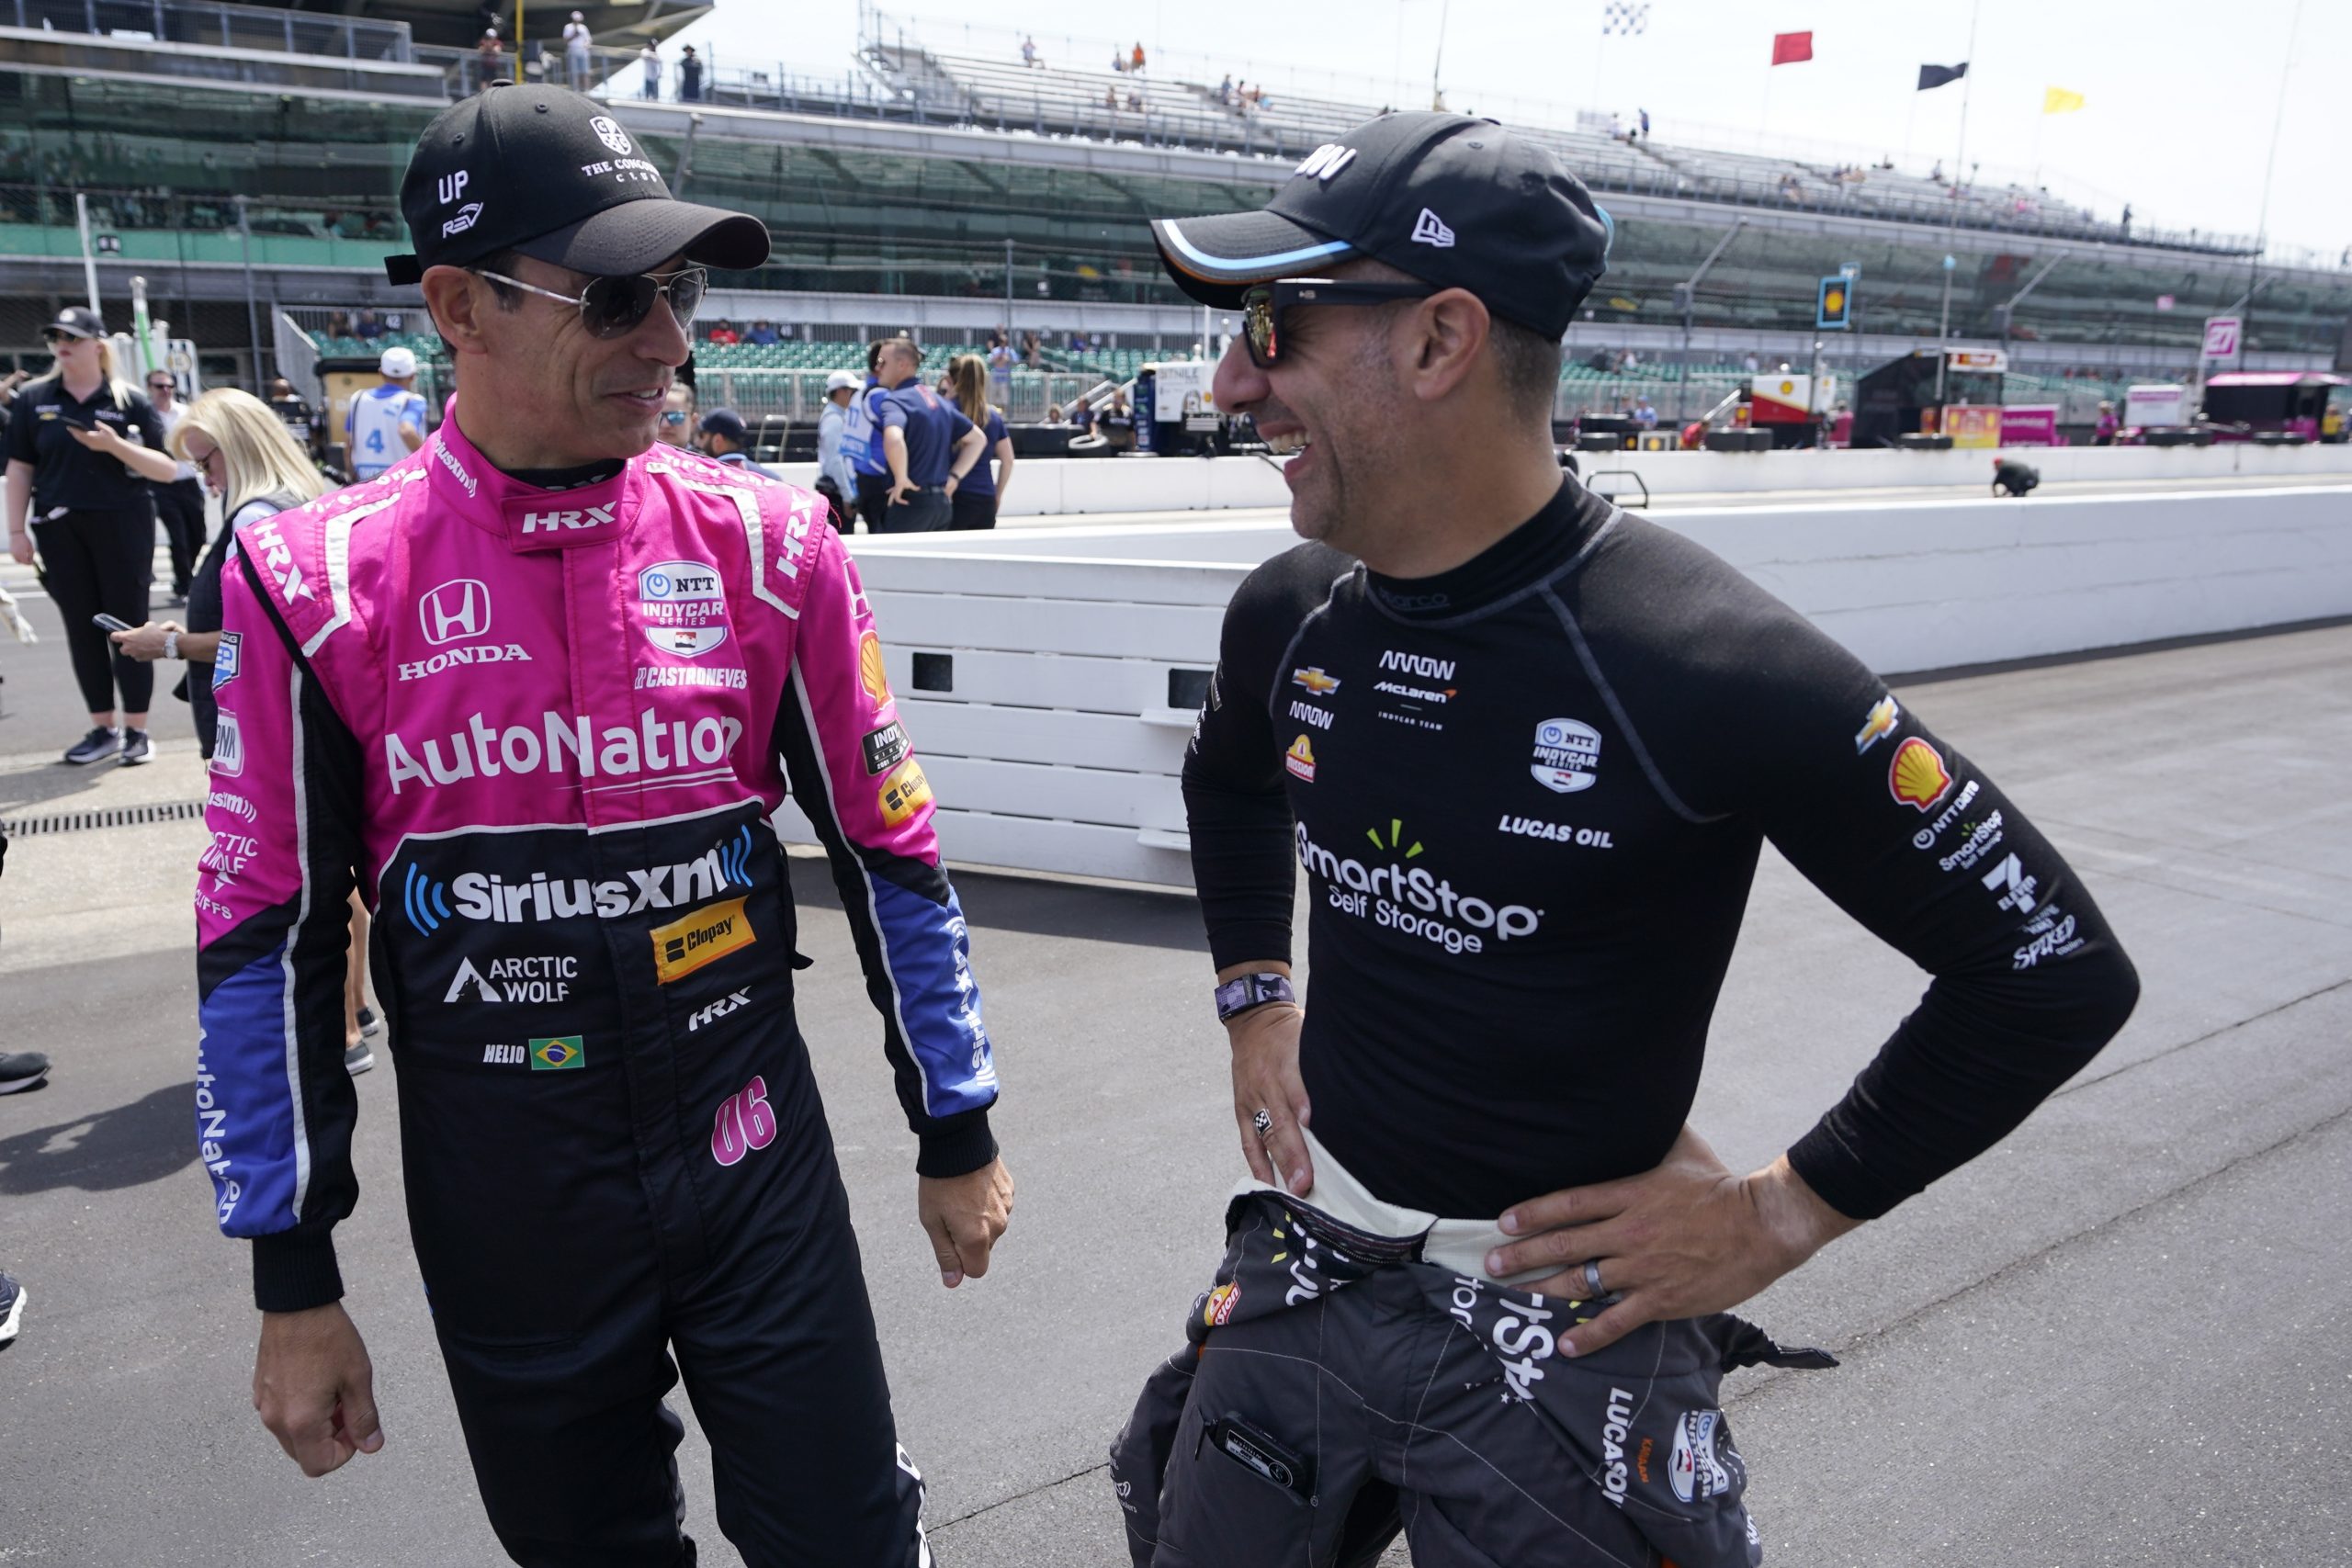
{"x":1938,"y":75}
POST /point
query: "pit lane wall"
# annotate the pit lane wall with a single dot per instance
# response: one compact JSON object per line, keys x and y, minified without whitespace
{"x":1059,"y":487}
{"x":1049,"y":676}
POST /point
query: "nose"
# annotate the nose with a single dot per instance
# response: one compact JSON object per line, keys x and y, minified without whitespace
{"x":1239,"y":385}
{"x":659,"y":337}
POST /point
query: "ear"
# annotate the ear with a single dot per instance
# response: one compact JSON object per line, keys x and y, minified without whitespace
{"x":459,"y":301}
{"x":1443,"y":337}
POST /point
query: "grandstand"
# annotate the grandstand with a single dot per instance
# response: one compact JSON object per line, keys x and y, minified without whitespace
{"x":246,"y":160}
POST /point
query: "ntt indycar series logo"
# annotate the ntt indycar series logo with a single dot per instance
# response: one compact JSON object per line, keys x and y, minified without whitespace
{"x":1391,"y":891}
{"x":522,"y":900}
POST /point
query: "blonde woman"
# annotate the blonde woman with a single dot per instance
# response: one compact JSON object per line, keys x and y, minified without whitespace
{"x":248,"y":459}
{"x":76,"y":490}
{"x":978,"y":495}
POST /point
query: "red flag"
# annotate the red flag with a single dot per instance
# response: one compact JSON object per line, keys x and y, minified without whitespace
{"x":1788,"y":49}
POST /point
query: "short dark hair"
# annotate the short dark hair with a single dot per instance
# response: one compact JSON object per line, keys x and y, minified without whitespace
{"x":1530,"y":364}
{"x":509,"y":298}
{"x":913,"y":350}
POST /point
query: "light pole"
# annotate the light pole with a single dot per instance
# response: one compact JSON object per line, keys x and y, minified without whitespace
{"x":245,"y":248}
{"x":1952,"y":228}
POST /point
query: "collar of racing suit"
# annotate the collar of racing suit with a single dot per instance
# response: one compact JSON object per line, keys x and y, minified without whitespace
{"x":527,"y":518}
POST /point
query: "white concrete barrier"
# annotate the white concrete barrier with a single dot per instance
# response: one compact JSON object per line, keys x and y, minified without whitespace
{"x":1049,"y":677}
{"x":1057,"y":487}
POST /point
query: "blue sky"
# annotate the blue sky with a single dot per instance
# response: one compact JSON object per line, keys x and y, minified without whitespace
{"x":2180,"y":96}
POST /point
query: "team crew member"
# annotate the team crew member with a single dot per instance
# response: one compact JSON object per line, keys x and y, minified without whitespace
{"x":385,"y":423}
{"x":725,"y":436}
{"x":920,"y":443}
{"x":862,"y":441}
{"x":616,"y":1156}
{"x":978,"y":493}
{"x":836,"y":480}
{"x":179,"y":504}
{"x":1528,"y":749}
{"x":73,"y":464}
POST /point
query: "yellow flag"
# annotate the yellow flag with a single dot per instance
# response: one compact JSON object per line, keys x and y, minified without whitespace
{"x":2058,"y":100}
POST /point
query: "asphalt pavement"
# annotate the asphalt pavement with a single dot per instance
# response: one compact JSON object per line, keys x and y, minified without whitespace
{"x":2119,"y":1338}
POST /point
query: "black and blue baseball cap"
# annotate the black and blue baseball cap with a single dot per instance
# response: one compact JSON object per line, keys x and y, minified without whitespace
{"x":1454,"y":202}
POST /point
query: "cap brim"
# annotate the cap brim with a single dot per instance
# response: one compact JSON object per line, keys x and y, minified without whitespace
{"x":1215,"y":259}
{"x":638,"y":236}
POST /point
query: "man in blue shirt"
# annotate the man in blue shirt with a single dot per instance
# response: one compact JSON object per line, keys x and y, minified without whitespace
{"x":385,"y":423}
{"x":920,"y":442}
{"x":862,"y":444}
{"x":726,"y":437}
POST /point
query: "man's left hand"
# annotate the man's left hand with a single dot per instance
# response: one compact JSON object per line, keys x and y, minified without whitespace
{"x":1683,"y":1240}
{"x":964,"y":1216}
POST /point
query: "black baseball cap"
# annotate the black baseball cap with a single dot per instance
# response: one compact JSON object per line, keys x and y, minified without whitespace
{"x":727,"y":422}
{"x":553,"y":175}
{"x":77,"y":320}
{"x":1459,"y":202}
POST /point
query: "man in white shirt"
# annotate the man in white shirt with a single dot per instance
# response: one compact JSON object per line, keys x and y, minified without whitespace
{"x":386,"y":422}
{"x":832,"y":461}
{"x":575,"y":52}
{"x":651,"y":62}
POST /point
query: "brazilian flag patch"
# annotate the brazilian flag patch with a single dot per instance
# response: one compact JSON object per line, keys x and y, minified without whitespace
{"x":561,"y":1051}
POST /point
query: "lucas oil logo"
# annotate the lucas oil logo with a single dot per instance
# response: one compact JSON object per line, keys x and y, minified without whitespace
{"x":685,"y":607}
{"x":1567,"y":755}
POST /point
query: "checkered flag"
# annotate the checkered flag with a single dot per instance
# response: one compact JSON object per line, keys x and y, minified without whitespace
{"x":1626,"y":17}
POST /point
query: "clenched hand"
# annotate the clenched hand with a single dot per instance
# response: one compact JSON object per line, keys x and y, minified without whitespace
{"x":964,"y":1216}
{"x":315,"y":1389}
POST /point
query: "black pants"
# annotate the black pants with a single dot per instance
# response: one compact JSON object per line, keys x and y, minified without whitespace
{"x":971,"y":511}
{"x":93,"y":561}
{"x":923,"y":512}
{"x":873,"y":500}
{"x":180,"y":506}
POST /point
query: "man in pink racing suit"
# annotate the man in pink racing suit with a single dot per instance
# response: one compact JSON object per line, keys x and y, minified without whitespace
{"x":539,"y":688}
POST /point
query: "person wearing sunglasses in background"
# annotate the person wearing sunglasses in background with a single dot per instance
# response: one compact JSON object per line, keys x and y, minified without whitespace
{"x":86,"y":483}
{"x":677,"y":427}
{"x":618,"y":1168}
{"x":179,"y":503}
{"x":1528,"y":749}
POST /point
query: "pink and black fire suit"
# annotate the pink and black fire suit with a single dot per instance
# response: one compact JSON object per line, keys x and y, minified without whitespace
{"x":545,"y":731}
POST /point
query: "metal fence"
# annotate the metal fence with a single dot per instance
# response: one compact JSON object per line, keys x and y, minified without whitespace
{"x":210,"y":22}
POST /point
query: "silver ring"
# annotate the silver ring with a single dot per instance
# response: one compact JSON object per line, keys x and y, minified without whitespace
{"x":1264,"y":1120}
{"x":1592,"y":1278}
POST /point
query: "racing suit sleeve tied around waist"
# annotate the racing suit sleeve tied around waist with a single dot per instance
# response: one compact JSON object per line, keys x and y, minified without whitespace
{"x":274,"y":1107}
{"x":854,"y":773}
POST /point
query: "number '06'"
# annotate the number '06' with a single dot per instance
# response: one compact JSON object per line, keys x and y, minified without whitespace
{"x":744,"y":1122}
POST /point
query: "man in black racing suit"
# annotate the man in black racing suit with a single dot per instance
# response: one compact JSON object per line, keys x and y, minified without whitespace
{"x":1528,"y":749}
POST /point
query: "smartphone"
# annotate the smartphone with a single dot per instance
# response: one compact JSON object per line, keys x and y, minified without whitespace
{"x":109,"y":624}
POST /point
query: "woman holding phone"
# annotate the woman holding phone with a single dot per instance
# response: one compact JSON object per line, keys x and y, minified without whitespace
{"x":248,"y":459}
{"x":83,"y":447}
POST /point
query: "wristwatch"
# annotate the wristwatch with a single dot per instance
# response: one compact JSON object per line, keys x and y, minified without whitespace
{"x":1243,"y":992}
{"x":171,"y":644}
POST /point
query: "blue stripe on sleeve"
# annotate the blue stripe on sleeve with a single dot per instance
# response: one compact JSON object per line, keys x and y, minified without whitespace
{"x":245,"y":1112}
{"x":929,"y":955}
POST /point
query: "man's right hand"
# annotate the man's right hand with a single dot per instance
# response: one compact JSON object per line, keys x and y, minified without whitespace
{"x":314,"y":1388}
{"x":20,"y":548}
{"x":1265,"y":1077}
{"x":900,"y":489}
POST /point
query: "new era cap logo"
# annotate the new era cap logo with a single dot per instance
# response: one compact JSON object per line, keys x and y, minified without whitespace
{"x":1431,"y":229}
{"x":1324,"y":162}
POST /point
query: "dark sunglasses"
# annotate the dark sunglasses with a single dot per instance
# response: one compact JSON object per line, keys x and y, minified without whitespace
{"x":615,"y":307}
{"x":1263,"y":307}
{"x":59,"y":335}
{"x":160,"y":385}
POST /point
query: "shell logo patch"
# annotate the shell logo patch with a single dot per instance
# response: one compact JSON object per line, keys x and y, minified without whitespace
{"x":1917,"y":776}
{"x":870,"y":672}
{"x":1300,"y":760}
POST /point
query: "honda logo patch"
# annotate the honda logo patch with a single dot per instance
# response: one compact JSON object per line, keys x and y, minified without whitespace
{"x":459,"y":608}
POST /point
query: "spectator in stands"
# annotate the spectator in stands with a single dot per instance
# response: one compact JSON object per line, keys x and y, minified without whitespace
{"x":1224,"y":90}
{"x":1054,"y":415}
{"x":1118,"y":422}
{"x":1135,"y":61}
{"x":1081,"y":417}
{"x":78,"y":487}
{"x":179,"y":504}
{"x":677,"y":416}
{"x":763,"y":334}
{"x":1644,"y":414}
{"x":722,"y":434}
{"x":650,"y":62}
{"x":490,"y":61}
{"x":368,"y":327}
{"x":1118,"y":60}
{"x":723,"y":332}
{"x":836,"y":480}
{"x":1000,"y":372}
{"x":1032,"y":353}
{"x":920,"y":443}
{"x":1135,"y":101}
{"x":975,"y":498}
{"x":575,"y":52}
{"x":1111,"y":99}
{"x":1645,"y":124}
{"x":1029,"y":52}
{"x":689,"y":76}
{"x":1748,"y":364}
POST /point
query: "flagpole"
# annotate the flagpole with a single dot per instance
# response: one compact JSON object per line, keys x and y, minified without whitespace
{"x":1951,"y":194}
